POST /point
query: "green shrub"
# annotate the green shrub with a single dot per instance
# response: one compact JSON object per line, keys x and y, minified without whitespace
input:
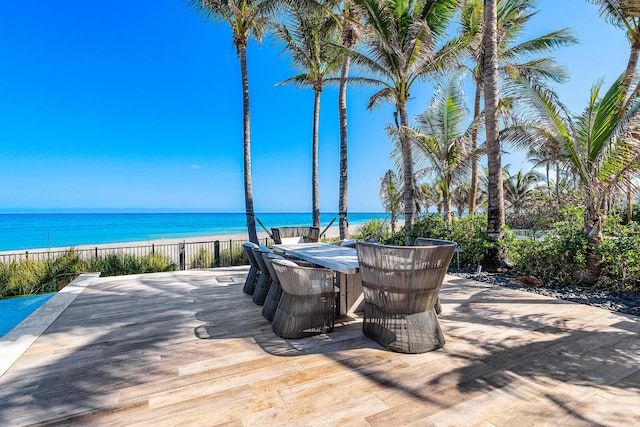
{"x":203,"y":259}
{"x":469,"y":232}
{"x":620,"y":263}
{"x":553,"y":259}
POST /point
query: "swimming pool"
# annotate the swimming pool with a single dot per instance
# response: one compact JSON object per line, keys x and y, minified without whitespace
{"x":15,"y":310}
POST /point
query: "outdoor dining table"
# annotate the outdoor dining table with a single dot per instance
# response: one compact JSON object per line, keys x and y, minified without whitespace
{"x":343,"y":260}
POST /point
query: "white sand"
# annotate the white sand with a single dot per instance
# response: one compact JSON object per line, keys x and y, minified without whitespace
{"x":332,"y":232}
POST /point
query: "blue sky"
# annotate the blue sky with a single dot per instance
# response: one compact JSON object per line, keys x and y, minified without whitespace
{"x":135,"y":105}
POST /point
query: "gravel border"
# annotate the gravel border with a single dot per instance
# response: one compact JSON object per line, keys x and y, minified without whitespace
{"x":612,"y":301}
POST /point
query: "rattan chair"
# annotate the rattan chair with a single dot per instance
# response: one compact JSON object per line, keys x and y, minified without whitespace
{"x":401,"y":286}
{"x":254,"y":271}
{"x":424,"y":241}
{"x":275,"y":290}
{"x":264,"y":281}
{"x":308,"y":303}
{"x":308,"y":234}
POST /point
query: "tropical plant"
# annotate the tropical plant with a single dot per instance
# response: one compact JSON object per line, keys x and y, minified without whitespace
{"x":495,"y":254}
{"x":602,"y":146}
{"x":391,"y":196}
{"x":307,"y":38}
{"x":625,"y":14}
{"x":514,"y":55}
{"x":347,"y":21}
{"x":443,"y":135}
{"x":460,"y":196}
{"x":400,"y":50}
{"x":246,"y":18}
{"x":520,"y":189}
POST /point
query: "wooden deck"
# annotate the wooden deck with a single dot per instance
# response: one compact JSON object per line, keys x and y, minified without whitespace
{"x":189,"y":348}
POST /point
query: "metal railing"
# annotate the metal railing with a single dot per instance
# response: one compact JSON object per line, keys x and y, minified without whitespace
{"x":185,"y":255}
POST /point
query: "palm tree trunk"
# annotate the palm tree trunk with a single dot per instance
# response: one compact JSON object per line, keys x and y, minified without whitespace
{"x":407,"y":159}
{"x":315,"y":196}
{"x":629,"y":198}
{"x":248,"y":186}
{"x":632,"y":63}
{"x":344,"y":165}
{"x":473,"y":192}
{"x":547,"y":166}
{"x":495,"y":211}
{"x":558,"y":183}
{"x":593,"y":221}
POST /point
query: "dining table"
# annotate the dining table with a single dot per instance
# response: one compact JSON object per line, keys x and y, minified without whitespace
{"x":343,"y":260}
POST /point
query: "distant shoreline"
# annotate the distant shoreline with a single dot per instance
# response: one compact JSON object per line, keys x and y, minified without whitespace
{"x":332,"y":232}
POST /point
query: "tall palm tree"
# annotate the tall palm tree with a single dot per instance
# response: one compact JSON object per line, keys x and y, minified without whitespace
{"x":515,"y":56}
{"x":246,"y":18}
{"x":460,"y":196}
{"x":443,"y":135}
{"x":519,"y":189}
{"x":602,"y":146}
{"x":625,"y":14}
{"x":307,"y":39}
{"x":391,"y":196}
{"x":346,"y":18}
{"x":494,"y":254}
{"x":400,"y":50}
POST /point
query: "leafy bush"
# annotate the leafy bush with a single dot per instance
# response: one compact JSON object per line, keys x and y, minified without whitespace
{"x":203,"y":259}
{"x":553,"y":259}
{"x":28,"y":276}
{"x":469,"y":232}
{"x":620,"y":263}
{"x":374,"y":228}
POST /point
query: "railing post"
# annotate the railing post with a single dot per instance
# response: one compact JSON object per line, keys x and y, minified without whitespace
{"x":153,"y":249}
{"x":216,"y":253}
{"x":182,"y":257}
{"x":96,"y":252}
{"x":26,"y":254}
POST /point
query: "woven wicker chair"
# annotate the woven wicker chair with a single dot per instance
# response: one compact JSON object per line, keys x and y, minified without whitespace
{"x":424,"y":241}
{"x":400,"y":286}
{"x":254,"y":271}
{"x":308,"y":302}
{"x":275,"y":291}
{"x":308,"y":234}
{"x":264,"y":281}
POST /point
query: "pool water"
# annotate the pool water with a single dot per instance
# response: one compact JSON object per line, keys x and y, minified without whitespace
{"x":15,"y":310}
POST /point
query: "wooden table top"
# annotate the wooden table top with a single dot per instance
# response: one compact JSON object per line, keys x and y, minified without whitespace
{"x":338,"y":258}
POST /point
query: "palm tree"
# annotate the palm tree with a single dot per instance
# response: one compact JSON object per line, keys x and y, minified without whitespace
{"x":625,"y":14}
{"x":520,"y":189}
{"x":246,"y":18}
{"x":400,"y":51}
{"x":515,"y":57}
{"x":442,"y":135}
{"x":460,"y":196}
{"x":602,"y":146}
{"x":344,"y":14}
{"x":494,"y":254}
{"x":307,"y":39}
{"x":391,"y":196}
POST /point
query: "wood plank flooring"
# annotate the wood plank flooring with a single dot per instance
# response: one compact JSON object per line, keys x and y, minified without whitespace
{"x":189,"y":348}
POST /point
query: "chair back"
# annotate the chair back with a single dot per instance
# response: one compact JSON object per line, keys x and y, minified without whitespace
{"x":248,"y":251}
{"x":425,"y":241}
{"x":257,"y":254}
{"x":297,"y":280}
{"x":308,"y":234}
{"x":268,"y":259}
{"x":403,"y":279}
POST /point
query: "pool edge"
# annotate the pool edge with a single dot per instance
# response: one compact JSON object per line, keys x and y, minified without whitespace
{"x":20,"y":338}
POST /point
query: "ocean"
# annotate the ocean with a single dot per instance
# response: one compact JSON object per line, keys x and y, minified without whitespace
{"x":52,"y":230}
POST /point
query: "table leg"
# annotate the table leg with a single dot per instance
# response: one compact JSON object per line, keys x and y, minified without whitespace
{"x":350,"y":299}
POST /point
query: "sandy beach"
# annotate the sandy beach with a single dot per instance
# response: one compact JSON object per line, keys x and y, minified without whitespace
{"x":332,"y":232}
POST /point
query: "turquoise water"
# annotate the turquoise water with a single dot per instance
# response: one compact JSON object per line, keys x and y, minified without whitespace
{"x":15,"y":310}
{"x":50,"y":230}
